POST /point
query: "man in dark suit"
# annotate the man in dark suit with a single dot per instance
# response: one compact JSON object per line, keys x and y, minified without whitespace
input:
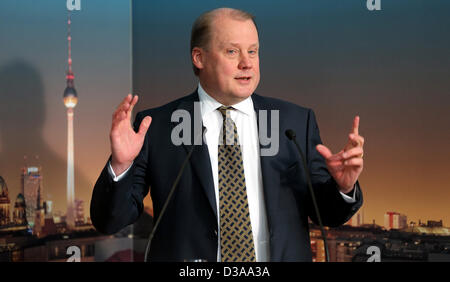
{"x":238,"y":199}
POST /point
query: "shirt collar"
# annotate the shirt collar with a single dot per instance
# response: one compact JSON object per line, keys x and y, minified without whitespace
{"x":208,"y":104}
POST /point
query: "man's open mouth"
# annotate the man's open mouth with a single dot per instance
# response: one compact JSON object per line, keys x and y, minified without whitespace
{"x":244,"y":77}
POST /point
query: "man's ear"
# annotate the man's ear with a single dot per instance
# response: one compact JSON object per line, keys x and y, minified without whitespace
{"x":197,"y":57}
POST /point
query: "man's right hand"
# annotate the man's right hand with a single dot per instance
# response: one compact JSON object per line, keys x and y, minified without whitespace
{"x":125,"y":143}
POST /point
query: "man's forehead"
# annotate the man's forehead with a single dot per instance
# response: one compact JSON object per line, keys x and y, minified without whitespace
{"x":220,"y":24}
{"x":237,"y":44}
{"x":240,"y":45}
{"x":236,"y":35}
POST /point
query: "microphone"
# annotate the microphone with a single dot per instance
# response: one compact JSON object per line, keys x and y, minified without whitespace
{"x":291,"y":135}
{"x":166,"y":203}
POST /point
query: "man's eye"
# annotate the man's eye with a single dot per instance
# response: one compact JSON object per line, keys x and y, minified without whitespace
{"x":232,"y":51}
{"x":252,"y":52}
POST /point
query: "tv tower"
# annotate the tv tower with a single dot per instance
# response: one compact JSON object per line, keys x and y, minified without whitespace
{"x":70,"y":101}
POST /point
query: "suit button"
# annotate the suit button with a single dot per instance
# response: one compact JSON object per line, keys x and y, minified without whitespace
{"x":215,"y":233}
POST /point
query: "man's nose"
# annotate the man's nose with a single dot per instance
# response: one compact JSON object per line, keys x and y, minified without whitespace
{"x":245,"y":62}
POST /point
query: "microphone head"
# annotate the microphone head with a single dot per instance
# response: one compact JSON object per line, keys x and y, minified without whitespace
{"x":290,"y":134}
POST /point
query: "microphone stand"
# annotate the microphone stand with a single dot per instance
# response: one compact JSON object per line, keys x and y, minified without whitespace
{"x":291,"y":135}
{"x":166,"y":203}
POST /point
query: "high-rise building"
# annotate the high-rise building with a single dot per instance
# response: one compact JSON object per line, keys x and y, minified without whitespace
{"x":79,"y":211}
{"x":19,"y":215}
{"x":70,"y":101}
{"x":317,"y":250}
{"x":32,"y":191}
{"x":49,"y":226}
{"x":39,"y":219}
{"x":394,"y":220}
{"x":5,"y":216}
{"x":48,"y":207}
{"x":357,"y":219}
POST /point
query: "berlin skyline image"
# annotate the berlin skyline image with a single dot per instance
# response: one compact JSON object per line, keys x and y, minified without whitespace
{"x":400,"y":90}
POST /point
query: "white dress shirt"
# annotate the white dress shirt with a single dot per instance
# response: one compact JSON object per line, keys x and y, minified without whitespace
{"x":244,"y":116}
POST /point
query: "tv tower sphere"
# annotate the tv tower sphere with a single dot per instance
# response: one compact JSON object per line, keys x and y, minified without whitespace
{"x":70,"y":97}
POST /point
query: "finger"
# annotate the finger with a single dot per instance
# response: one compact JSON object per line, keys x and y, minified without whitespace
{"x":338,"y":166}
{"x":134,"y":100}
{"x":128,"y":98}
{"x":122,"y":106}
{"x":355,"y":128}
{"x":119,"y":114}
{"x":336,"y":157}
{"x":324,"y":151}
{"x":145,"y":124}
{"x":354,"y":162}
{"x":352,"y":142}
{"x":355,"y":152}
{"x":335,"y":163}
{"x":356,"y":140}
{"x":118,"y":118}
{"x":125,"y":100}
{"x":132,"y":103}
{"x":127,"y":106}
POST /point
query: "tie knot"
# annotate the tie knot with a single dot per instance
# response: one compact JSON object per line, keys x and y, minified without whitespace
{"x":224,"y":110}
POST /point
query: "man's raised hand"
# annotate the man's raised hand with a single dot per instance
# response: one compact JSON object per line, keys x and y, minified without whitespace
{"x":125,"y":143}
{"x":347,"y":165}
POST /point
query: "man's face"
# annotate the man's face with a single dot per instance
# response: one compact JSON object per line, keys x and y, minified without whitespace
{"x":230,"y":70}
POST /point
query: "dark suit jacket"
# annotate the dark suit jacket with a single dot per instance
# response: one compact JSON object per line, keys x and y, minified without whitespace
{"x":189,"y":228}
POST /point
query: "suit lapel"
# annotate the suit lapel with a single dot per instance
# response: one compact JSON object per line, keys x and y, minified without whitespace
{"x":201,"y":163}
{"x":199,"y":160}
{"x":269,"y":176}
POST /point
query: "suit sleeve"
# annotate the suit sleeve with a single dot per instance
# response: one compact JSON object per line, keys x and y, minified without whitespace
{"x":114,"y":205}
{"x":334,"y":210}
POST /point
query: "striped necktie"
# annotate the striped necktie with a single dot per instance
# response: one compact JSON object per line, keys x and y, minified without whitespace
{"x":236,"y":237}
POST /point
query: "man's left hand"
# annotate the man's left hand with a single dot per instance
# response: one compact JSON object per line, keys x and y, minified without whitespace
{"x":347,"y":165}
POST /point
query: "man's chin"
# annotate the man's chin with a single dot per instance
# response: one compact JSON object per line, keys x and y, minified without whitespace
{"x":242,"y":95}
{"x":244,"y":92}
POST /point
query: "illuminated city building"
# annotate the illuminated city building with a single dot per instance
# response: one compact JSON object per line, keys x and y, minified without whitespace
{"x":49,"y":223}
{"x":79,"y":211}
{"x":32,"y":191}
{"x":317,"y":250}
{"x":48,"y":207}
{"x":433,"y":223}
{"x":394,"y":220}
{"x":431,"y":228}
{"x":4,"y":203}
{"x":357,"y":219}
{"x":19,"y":214}
{"x":39,"y":220}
